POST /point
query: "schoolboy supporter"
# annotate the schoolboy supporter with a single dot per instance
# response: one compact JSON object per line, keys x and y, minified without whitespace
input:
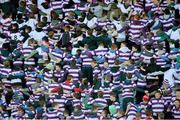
{"x":127,"y":91}
{"x":30,"y":76}
{"x":176,"y":109}
{"x":75,"y":72}
{"x":52,"y":112}
{"x":157,"y":105}
{"x":123,"y":53}
{"x":111,"y":55}
{"x":86,"y":57}
{"x":131,"y":111}
{"x":119,"y":115}
{"x":100,"y":102}
{"x":59,"y":73}
{"x":143,"y":106}
{"x":68,"y":85}
{"x":136,"y":28}
{"x":48,"y":73}
{"x":78,"y":114}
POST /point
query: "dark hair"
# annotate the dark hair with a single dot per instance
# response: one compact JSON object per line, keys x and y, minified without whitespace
{"x":177,"y":90}
{"x":176,"y":44}
{"x":148,"y":47}
{"x":19,"y":16}
{"x":100,"y":94}
{"x":77,"y":95}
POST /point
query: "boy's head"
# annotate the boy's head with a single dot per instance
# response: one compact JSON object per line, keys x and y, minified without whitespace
{"x":94,"y":108}
{"x":28,"y":29}
{"x":69,"y":78}
{"x":177,"y":103}
{"x":113,"y":97}
{"x":178,"y":93}
{"x":77,"y":107}
{"x":105,"y":112}
{"x":77,"y":95}
{"x":67,"y":28}
{"x":50,"y":34}
{"x":158,"y":94}
{"x":85,"y":81}
{"x":129,"y":75}
{"x":6,"y":64}
{"x":100,"y":94}
{"x":15,"y":26}
{"x":78,"y":52}
{"x":58,"y":67}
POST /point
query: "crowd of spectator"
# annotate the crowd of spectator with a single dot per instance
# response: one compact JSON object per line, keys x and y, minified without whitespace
{"x":90,"y":59}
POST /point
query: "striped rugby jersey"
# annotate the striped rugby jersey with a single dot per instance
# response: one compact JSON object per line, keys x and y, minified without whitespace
{"x":176,"y":112}
{"x":157,"y":105}
{"x":26,"y":51}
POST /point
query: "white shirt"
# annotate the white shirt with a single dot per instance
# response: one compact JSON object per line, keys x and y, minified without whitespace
{"x":91,"y":23}
{"x":37,"y":35}
{"x":123,"y":9}
{"x":175,"y":35}
{"x":32,"y":23}
{"x":16,"y":36}
{"x":177,"y":6}
{"x":168,"y":75}
{"x":3,"y":1}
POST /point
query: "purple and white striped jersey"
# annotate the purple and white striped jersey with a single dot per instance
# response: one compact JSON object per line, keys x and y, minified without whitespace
{"x":132,"y":111}
{"x":99,"y":101}
{"x":115,"y":75}
{"x":30,"y":78}
{"x":156,"y":9}
{"x":48,"y":76}
{"x":123,"y":53}
{"x":78,"y":117}
{"x":77,"y":102}
{"x":159,"y":61}
{"x":61,"y":102}
{"x":57,"y":5}
{"x":137,"y":8}
{"x":5,"y":72}
{"x":157,"y":105}
{"x":107,"y":93}
{"x":97,"y":72}
{"x":75,"y":72}
{"x":26,"y":51}
{"x":143,"y":106}
{"x":83,"y":8}
{"x":176,"y":112}
{"x":67,"y":87}
{"x":86,"y":57}
{"x":167,"y":23}
{"x":136,"y":28}
{"x":148,"y":4}
{"x":127,"y":90}
{"x":59,"y":74}
{"x":101,"y":23}
{"x":14,"y":111}
{"x":110,"y":56}
{"x":52,"y":115}
{"x":164,"y":4}
{"x":100,"y":51}
{"x":57,"y":54}
{"x":141,"y":83}
{"x":52,"y":86}
{"x":135,"y":56}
